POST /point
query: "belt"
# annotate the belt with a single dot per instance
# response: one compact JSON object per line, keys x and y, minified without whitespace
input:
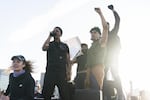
{"x":79,"y":72}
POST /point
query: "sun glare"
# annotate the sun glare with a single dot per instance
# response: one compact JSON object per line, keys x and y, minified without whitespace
{"x":134,"y":65}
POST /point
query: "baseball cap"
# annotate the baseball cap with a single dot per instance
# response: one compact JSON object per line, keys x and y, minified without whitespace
{"x":19,"y":57}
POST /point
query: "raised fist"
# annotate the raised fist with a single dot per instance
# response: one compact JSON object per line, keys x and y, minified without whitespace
{"x":98,"y":10}
{"x":111,"y":7}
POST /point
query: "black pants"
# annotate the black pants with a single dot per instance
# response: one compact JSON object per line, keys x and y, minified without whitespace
{"x":117,"y":82}
{"x":80,"y":78}
{"x":55,"y":78}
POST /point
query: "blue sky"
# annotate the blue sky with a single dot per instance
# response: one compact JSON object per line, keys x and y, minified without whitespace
{"x":25,"y":25}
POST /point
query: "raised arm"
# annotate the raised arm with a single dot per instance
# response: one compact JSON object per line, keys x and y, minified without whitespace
{"x":46,"y":43}
{"x":104,"y":36}
{"x":117,"y":21}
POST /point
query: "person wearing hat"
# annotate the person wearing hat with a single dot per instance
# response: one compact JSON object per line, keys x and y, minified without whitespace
{"x":96,"y":53}
{"x":58,"y":66}
{"x":21,"y":83}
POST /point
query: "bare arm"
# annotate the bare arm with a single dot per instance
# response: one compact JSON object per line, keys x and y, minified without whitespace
{"x":87,"y":78}
{"x":73,"y":61}
{"x":46,"y":43}
{"x":117,"y":21}
{"x":68,"y":64}
{"x":104,"y":37}
{"x":68,"y":67}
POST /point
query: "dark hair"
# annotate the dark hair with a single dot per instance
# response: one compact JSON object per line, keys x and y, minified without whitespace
{"x":97,"y":29}
{"x":59,"y":29}
{"x":28,"y":66}
{"x":84,"y":44}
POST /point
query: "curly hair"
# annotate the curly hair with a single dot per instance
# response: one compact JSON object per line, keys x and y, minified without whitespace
{"x":28,"y":66}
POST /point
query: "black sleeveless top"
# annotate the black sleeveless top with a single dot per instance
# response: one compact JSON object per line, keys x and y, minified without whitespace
{"x":57,"y":55}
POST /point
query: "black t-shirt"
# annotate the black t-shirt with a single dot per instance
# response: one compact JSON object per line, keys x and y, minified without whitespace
{"x":81,"y":61}
{"x":113,"y":48}
{"x":113,"y":44}
{"x":57,"y":55}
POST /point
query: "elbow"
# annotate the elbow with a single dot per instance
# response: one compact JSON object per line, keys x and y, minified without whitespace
{"x":118,"y":19}
{"x":44,"y":49}
{"x":106,"y":27}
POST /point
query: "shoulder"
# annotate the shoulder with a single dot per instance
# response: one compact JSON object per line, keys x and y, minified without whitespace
{"x":99,"y":45}
{"x":51,"y":43}
{"x":63,"y":43}
{"x":10,"y":75}
{"x":28,"y":75}
{"x":29,"y":78}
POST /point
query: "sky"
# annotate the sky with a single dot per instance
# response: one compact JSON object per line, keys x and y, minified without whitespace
{"x":25,"y":25}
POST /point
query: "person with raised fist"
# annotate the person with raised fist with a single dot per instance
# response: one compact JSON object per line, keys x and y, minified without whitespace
{"x":112,"y":55}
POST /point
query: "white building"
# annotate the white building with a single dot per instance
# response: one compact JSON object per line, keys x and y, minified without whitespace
{"x":4,"y":79}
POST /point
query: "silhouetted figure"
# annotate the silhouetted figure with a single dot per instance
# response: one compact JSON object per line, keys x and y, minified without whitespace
{"x":58,"y":66}
{"x":113,"y":51}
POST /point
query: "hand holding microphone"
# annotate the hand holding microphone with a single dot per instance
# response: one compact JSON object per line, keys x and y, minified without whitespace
{"x":52,"y":33}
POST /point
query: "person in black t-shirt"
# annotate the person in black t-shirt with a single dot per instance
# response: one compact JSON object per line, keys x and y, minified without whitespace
{"x":81,"y":69}
{"x":81,"y":59}
{"x":58,"y":67}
